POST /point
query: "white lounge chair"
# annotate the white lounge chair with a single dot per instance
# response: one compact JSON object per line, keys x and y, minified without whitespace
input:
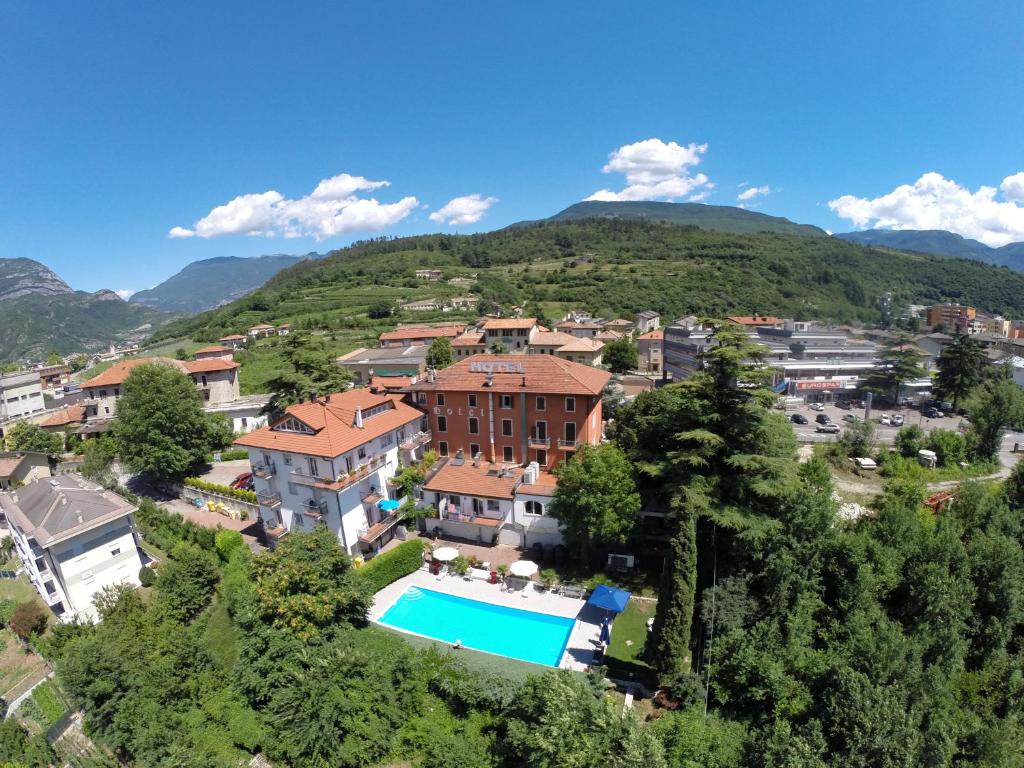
{"x":442,"y":573}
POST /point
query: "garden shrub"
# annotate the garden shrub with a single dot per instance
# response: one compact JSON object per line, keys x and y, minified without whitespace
{"x":390,"y":566}
{"x":147,"y":576}
{"x":223,"y":490}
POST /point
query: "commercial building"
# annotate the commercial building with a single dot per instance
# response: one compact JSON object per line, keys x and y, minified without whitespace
{"x":74,"y":539}
{"x":513,"y":409}
{"x":950,"y":316}
{"x":365,"y":364}
{"x":21,"y":395}
{"x":329,"y":461}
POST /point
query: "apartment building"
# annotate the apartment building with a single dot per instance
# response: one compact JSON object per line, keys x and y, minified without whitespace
{"x":54,"y":376}
{"x":649,"y":346}
{"x":647,"y":321}
{"x":491,"y":503}
{"x":329,"y":461}
{"x":950,"y":316}
{"x":513,"y":409}
{"x":585,"y":351}
{"x":514,"y":334}
{"x":365,"y":364}
{"x":74,"y":539}
{"x":20,"y":467}
{"x":418,"y":335}
{"x":21,"y":395}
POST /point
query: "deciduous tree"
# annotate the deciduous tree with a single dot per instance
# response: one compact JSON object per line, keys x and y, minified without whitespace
{"x":620,"y":356}
{"x":439,"y":355}
{"x":26,"y":436}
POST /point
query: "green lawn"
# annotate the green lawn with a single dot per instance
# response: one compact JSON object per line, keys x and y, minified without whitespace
{"x":18,"y":669}
{"x":629,"y":632}
{"x":17,"y":589}
{"x":638,"y":581}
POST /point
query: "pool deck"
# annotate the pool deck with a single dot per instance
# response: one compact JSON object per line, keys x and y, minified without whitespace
{"x":579,"y":651}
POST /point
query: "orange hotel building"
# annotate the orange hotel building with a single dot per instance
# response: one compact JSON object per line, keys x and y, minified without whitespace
{"x":513,"y":409}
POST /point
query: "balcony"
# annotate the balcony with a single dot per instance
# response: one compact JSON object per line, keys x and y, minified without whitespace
{"x":314,"y":508}
{"x":272,"y":500}
{"x":411,"y":443}
{"x":567,"y":445}
{"x":341,"y":482}
{"x":370,"y":533}
{"x":266,"y":471}
{"x":299,"y":477}
{"x":540,"y":442}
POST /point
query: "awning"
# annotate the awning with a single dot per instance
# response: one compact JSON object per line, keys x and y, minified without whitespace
{"x":609,"y":598}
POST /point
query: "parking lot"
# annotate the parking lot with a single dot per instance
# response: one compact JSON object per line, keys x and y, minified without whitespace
{"x":884,"y":434}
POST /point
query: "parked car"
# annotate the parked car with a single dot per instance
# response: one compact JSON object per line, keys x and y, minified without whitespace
{"x":823,"y":418}
{"x":816,"y":407}
{"x":897,"y":420}
{"x":827,"y":427}
{"x":931,"y":412}
{"x":844,"y":405}
{"x":863,"y":462}
{"x":242,"y":482}
{"x":798,"y":418}
{"x":852,"y":418}
{"x":885,"y":420}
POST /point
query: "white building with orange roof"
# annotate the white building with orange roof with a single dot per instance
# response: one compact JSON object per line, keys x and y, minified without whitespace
{"x":649,"y":350}
{"x":214,"y":352}
{"x":575,"y":349}
{"x":235,"y":341}
{"x":418,"y":335}
{"x":468,"y":344}
{"x":262,"y":330}
{"x":329,"y":461}
{"x":512,"y":333}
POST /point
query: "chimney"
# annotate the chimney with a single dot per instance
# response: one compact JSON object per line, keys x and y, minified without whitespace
{"x":489,"y":381}
{"x":459,"y":458}
{"x":327,"y":398}
{"x":476,"y":458}
{"x":312,"y":397}
{"x":359,"y":417}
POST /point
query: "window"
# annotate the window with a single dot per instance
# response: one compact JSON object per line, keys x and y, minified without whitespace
{"x":478,"y":506}
{"x":421,"y":398}
{"x":506,"y":454}
{"x":40,"y":564}
{"x":103,"y":393}
{"x":117,"y":392}
{"x":474,"y":425}
{"x":542,"y":402}
{"x":311,"y":466}
{"x":287,"y":460}
{"x":442,"y":423}
{"x":387,"y":439}
{"x":442,"y":448}
{"x":492,"y":505}
{"x":472,"y":401}
{"x":204,"y":382}
{"x":474,"y":449}
{"x":506,"y":427}
{"x":440,"y":398}
{"x":534,"y":508}
{"x":245,"y":422}
{"x":50,"y":589}
{"x":506,"y":401}
{"x":292,"y":488}
{"x":570,"y":403}
{"x":542,"y":458}
{"x":362,"y":452}
{"x":115,"y":552}
{"x":570,"y":432}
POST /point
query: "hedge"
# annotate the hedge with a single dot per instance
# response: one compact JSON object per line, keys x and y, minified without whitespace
{"x":390,"y":566}
{"x":230,"y":454}
{"x":223,"y":490}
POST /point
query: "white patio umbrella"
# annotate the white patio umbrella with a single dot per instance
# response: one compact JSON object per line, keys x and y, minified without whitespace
{"x":444,"y":554}
{"x":523,"y":568}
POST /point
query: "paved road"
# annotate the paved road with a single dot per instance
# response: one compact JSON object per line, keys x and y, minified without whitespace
{"x":884,"y":435}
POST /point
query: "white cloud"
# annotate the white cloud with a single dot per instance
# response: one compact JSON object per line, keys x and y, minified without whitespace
{"x":934,"y":202}
{"x":751,"y":192}
{"x":467,"y":209}
{"x":125,"y":293}
{"x":655,"y":170}
{"x":698,"y":197}
{"x":333,"y":208}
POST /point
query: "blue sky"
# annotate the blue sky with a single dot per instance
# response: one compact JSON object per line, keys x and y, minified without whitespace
{"x":120,"y":122}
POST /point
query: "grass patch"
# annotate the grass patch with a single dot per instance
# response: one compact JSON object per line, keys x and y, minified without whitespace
{"x":18,"y":669}
{"x":221,"y":636}
{"x":629,"y":633}
{"x":47,"y":705}
{"x":638,"y":581}
{"x":485,"y":663}
{"x":18,"y":589}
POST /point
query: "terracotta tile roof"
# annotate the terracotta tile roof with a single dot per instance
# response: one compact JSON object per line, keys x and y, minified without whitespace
{"x":422,"y":332}
{"x":261,"y":327}
{"x":511,"y":323}
{"x":487,"y":481}
{"x":390,"y":382}
{"x":73,"y":415}
{"x":619,"y":323}
{"x":210,"y":364}
{"x":652,"y":335}
{"x":573,"y":324}
{"x":213,"y":348}
{"x":582,"y":345}
{"x":468,"y":340}
{"x":233,"y":337}
{"x":117,"y":373}
{"x":608,"y":336}
{"x":755,"y":320}
{"x":551,"y":339}
{"x":543,"y":374}
{"x":332,"y":420}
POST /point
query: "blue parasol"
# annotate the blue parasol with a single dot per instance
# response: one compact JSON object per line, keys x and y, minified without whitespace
{"x":609,"y":598}
{"x":388,"y":505}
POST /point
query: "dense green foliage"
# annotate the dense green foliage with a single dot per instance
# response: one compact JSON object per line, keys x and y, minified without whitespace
{"x":439,"y":355}
{"x":898,"y":364}
{"x":26,"y":436}
{"x":390,"y":566}
{"x":160,"y":426}
{"x":994,"y":405}
{"x":620,"y":356}
{"x":961,"y":366}
{"x":311,"y":370}
{"x":224,"y":490}
{"x":940,"y":242}
{"x":615,"y":267}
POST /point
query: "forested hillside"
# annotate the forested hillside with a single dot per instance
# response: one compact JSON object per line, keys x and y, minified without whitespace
{"x":615,"y":267}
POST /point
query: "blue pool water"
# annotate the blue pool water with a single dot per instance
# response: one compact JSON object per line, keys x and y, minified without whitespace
{"x":511,"y":632}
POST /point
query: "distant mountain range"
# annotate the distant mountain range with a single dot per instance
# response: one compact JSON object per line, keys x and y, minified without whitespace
{"x":210,"y":283}
{"x":720,"y":218}
{"x":40,"y":313}
{"x":941,"y":243}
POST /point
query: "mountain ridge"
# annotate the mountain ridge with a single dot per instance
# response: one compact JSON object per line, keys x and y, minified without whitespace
{"x":941,"y":243}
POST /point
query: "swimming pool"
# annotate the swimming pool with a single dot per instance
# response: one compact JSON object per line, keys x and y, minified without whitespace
{"x":518,"y":634}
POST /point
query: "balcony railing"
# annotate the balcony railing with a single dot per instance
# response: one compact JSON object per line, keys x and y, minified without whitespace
{"x":540,"y":442}
{"x":272,"y":500}
{"x":341,"y":482}
{"x":567,"y":445}
{"x":314,"y":508}
{"x":370,"y":533}
{"x":299,"y":477}
{"x":420,"y":438}
{"x":265,"y":471}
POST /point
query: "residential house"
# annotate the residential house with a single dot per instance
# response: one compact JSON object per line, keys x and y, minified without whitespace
{"x":647,"y":321}
{"x":365,"y":364}
{"x":472,"y":342}
{"x":21,"y":395}
{"x":620,"y":326}
{"x":579,"y":350}
{"x":475,"y":500}
{"x":235,"y":341}
{"x":215,"y":352}
{"x":74,"y":539}
{"x":429,"y":274}
{"x":418,"y":335}
{"x":262,"y":331}
{"x":54,"y":376}
{"x":422,"y":305}
{"x":950,"y":316}
{"x":514,"y":334}
{"x":513,"y":409}
{"x":284,"y":329}
{"x":65,"y":419}
{"x":649,"y":346}
{"x":20,"y":467}
{"x":757,"y":321}
{"x":583,"y":330}
{"x":329,"y":461}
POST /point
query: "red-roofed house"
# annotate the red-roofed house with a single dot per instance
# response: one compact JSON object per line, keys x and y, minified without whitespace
{"x":757,"y":321}
{"x":329,"y":460}
{"x":514,"y":333}
{"x":513,"y":409}
{"x":649,"y":350}
{"x":417,"y":335}
{"x":213,"y":352}
{"x":235,"y":341}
